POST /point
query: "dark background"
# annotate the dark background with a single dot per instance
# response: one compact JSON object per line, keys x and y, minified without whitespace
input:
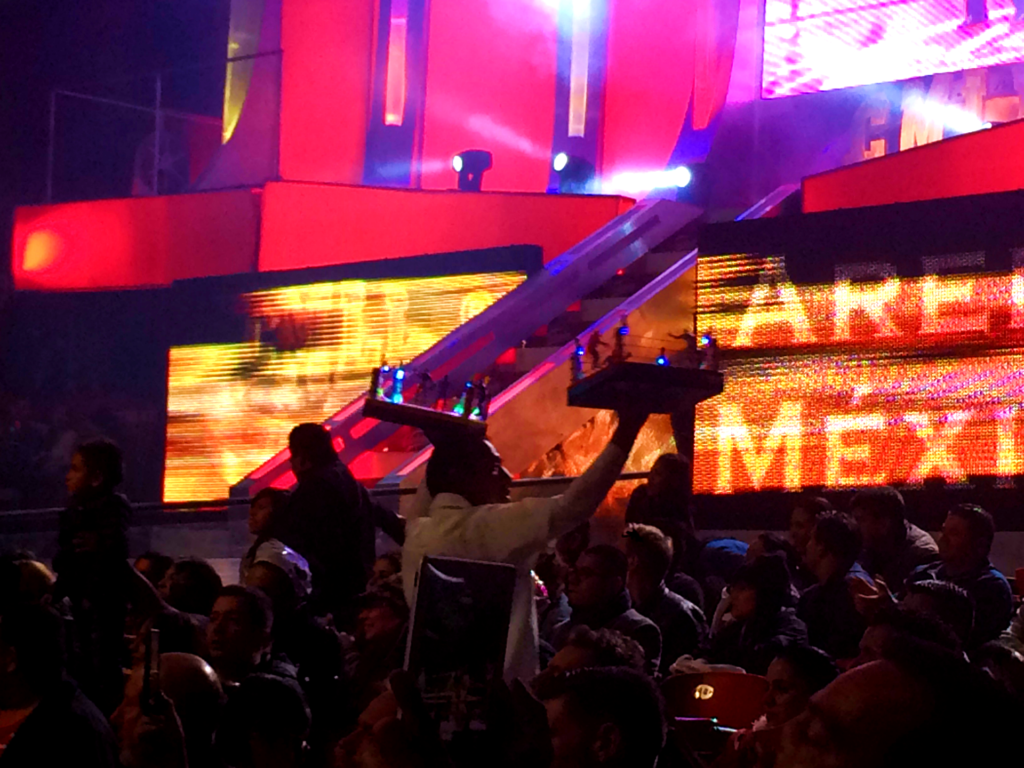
{"x":53,"y":390}
{"x":73,"y":44}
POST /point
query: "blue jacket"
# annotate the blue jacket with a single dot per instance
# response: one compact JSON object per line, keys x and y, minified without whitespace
{"x":993,"y":598}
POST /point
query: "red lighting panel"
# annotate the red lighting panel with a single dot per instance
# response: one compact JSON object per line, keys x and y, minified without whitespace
{"x":134,"y":242}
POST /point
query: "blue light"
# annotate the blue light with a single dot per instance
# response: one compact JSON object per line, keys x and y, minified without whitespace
{"x":561,"y":160}
{"x":580,"y":351}
{"x":705,"y":339}
{"x":623,"y":330}
{"x":662,"y":360}
{"x":385,"y":368}
{"x":400,"y":374}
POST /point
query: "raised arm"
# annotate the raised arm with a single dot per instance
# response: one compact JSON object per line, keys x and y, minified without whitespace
{"x":586,"y":492}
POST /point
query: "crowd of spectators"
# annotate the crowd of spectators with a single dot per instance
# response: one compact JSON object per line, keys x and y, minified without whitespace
{"x":873,"y":643}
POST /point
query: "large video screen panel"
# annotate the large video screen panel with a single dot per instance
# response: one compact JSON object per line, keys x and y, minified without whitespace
{"x":872,"y":379}
{"x":821,"y":45}
{"x":230,"y":406}
{"x":888,"y":374}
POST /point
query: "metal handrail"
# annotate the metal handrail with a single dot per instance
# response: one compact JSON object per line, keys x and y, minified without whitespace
{"x":214,"y":504}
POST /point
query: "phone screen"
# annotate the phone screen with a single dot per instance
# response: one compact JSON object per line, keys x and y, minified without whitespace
{"x":456,"y":651}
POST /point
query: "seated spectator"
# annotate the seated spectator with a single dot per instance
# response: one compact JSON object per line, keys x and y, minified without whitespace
{"x":195,"y":695}
{"x":463,"y":510}
{"x":599,"y":600}
{"x":554,"y":609}
{"x":608,"y":717}
{"x":313,"y":648}
{"x":713,"y":563}
{"x":680,"y":582}
{"x":153,"y":566}
{"x":265,"y":725}
{"x":827,"y":608}
{"x":180,"y":632}
{"x":26,"y":580}
{"x":386,"y":568}
{"x":763,"y":624}
{"x":802,"y":519}
{"x":239,"y":636}
{"x":572,"y":544}
{"x":770,"y":542}
{"x":920,"y":706}
{"x":380,"y":641}
{"x":666,"y":494}
{"x":964,"y":547}
{"x":897,"y":623}
{"x":893,"y":547}
{"x":92,"y":549}
{"x":794,"y":676}
{"x":682,"y":624}
{"x":326,"y":521}
{"x":587,"y":648}
{"x":45,"y":720}
{"x":944,"y":601}
{"x":1003,"y":665}
{"x":191,"y":586}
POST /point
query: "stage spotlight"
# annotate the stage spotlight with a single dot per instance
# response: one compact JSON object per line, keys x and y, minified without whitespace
{"x":697,"y":189}
{"x":576,"y":176}
{"x":470,"y":164}
{"x":681,"y":176}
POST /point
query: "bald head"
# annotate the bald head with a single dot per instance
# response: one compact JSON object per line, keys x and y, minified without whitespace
{"x":192,"y":687}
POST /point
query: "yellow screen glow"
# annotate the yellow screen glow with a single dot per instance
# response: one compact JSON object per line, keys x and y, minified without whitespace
{"x":312,"y":347}
{"x":891,"y":380}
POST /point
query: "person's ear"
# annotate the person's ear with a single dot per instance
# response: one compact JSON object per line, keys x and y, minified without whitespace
{"x":95,"y":479}
{"x":607,"y":743}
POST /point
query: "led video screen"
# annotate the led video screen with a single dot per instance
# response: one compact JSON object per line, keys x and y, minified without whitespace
{"x":882,"y":376}
{"x":885,"y":379}
{"x":821,"y":45}
{"x":311,"y":349}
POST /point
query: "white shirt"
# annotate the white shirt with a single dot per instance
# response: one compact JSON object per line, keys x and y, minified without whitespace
{"x":513,"y":533}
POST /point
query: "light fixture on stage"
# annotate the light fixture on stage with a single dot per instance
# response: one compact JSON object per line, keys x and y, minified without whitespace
{"x":692,"y":184}
{"x":470,"y":164}
{"x":681,"y":177}
{"x":576,"y":176}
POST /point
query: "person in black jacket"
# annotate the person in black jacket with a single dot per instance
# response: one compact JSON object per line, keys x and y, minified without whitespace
{"x":682,"y":624}
{"x":326,"y":521}
{"x":599,"y":599}
{"x":47,"y":720}
{"x":763,"y":623}
{"x":828,"y":609}
{"x":90,"y":560}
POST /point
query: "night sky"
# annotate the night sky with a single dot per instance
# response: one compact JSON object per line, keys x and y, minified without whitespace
{"x":71,"y":44}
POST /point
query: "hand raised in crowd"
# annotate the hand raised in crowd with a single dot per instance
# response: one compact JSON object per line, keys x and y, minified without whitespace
{"x":870,"y":598}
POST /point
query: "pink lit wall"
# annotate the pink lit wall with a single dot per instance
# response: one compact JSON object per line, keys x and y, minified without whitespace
{"x":491,"y":70}
{"x":314,"y":225}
